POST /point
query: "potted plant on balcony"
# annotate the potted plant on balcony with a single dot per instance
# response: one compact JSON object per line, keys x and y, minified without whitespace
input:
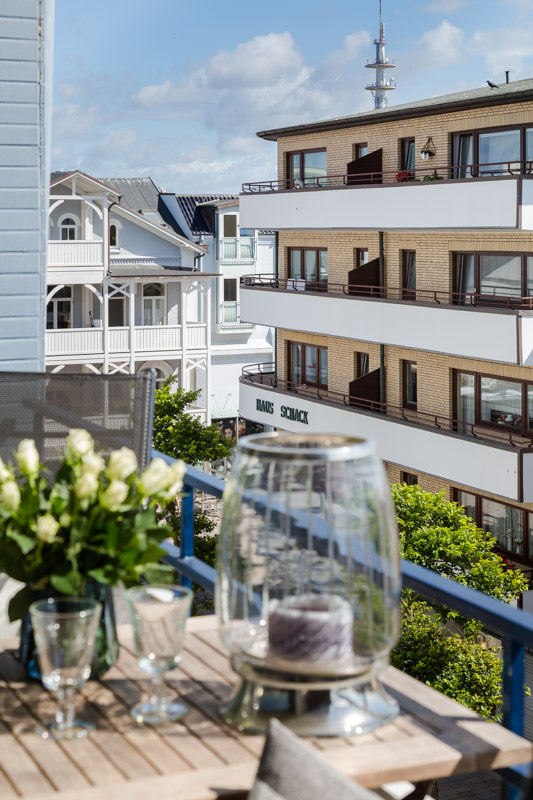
{"x":81,"y":532}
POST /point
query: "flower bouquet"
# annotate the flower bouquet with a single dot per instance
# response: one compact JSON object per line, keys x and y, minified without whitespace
{"x":91,"y":526}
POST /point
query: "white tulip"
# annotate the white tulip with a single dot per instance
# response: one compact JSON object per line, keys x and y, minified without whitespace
{"x":122,"y":464}
{"x":114,"y":495}
{"x":92,"y":464}
{"x":28,"y":457}
{"x":47,"y":527}
{"x":79,"y":443}
{"x":156,"y":478}
{"x":5,"y":474}
{"x":86,"y":485}
{"x":10,"y":495}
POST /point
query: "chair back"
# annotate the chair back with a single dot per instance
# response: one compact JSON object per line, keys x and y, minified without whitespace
{"x":117,"y":411}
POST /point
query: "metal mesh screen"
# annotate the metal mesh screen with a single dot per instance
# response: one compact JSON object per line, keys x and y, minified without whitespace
{"x":115,"y":409}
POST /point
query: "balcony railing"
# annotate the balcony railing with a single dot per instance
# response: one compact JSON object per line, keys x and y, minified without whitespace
{"x":230,"y":316}
{"x":513,"y":626}
{"x":152,"y":338}
{"x":264,"y":375}
{"x":237,"y":250}
{"x":440,"y":296}
{"x":79,"y":253}
{"x":424,"y":174}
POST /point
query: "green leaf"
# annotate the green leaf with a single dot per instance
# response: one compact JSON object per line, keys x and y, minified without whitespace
{"x":20,"y":603}
{"x":67,"y":584}
{"x":159,"y":573}
{"x":26,"y":543}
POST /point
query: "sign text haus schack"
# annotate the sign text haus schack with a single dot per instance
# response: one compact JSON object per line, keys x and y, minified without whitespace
{"x":267,"y":407}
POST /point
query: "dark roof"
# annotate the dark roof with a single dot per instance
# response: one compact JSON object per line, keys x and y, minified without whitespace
{"x":56,"y":176}
{"x":200,"y":217}
{"x":143,"y":196}
{"x":515,"y":92}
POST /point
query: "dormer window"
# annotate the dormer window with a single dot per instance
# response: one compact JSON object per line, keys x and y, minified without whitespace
{"x":69,"y":229}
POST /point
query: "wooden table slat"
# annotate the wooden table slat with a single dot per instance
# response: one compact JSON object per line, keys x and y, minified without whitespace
{"x":200,"y":758}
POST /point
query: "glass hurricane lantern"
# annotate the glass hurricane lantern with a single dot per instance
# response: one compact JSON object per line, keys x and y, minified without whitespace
{"x":309,"y":584}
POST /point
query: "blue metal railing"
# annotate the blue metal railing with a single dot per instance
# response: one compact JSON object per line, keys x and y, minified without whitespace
{"x":513,"y":626}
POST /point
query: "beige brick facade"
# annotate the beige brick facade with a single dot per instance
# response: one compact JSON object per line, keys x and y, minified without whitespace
{"x":340,"y":144}
{"x":434,"y":263}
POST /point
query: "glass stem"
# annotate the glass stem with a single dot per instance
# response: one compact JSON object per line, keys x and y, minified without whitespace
{"x":158,"y":695}
{"x":65,"y":708}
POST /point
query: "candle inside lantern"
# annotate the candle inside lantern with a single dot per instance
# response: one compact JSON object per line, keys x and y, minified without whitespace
{"x":311,"y":627}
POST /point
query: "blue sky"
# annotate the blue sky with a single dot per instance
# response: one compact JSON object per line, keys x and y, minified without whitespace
{"x":177,"y":90}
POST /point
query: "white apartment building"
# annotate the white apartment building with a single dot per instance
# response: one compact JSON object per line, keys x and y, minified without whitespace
{"x":124,"y":289}
{"x":232,"y":252}
{"x":403,"y":299}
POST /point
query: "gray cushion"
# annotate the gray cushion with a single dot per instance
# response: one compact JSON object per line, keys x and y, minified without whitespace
{"x":291,"y":770}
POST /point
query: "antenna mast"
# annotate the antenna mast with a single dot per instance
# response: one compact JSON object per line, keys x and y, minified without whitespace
{"x":381,"y":63}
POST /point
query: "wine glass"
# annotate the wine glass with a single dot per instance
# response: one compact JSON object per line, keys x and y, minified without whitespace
{"x":65,"y":630}
{"x":158,"y":615}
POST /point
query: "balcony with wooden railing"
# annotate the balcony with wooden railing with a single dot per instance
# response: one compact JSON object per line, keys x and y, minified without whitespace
{"x":237,"y":250}
{"x":77,"y":253}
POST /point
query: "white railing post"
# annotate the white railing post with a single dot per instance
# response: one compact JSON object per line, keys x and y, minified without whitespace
{"x":105,"y":324}
{"x":131,"y":289}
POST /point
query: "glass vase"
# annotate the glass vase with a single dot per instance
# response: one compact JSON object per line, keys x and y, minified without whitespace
{"x":105,"y":652}
{"x":308,"y":592}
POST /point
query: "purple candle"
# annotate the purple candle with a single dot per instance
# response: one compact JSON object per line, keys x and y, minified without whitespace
{"x":311,"y":627}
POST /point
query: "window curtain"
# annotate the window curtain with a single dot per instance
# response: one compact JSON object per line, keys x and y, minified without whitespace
{"x":410,"y":270}
{"x":465,"y":279}
{"x":501,"y":150}
{"x":465,"y":402}
{"x":500,"y":276}
{"x":464,"y":155}
{"x":504,"y":523}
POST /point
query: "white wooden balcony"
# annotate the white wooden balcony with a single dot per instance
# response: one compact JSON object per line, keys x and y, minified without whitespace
{"x":230,"y":317}
{"x":157,"y":339}
{"x":80,"y":253}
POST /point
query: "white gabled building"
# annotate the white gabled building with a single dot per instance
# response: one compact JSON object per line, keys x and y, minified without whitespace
{"x":232,"y":252}
{"x":124,"y":289}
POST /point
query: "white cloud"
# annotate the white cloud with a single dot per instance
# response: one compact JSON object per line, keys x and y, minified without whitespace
{"x":504,"y":49}
{"x":523,"y":6}
{"x":443,"y":45}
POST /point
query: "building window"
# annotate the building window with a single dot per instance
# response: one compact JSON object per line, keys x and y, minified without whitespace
{"x":69,"y":229}
{"x":154,"y":304}
{"x":360,"y":150}
{"x":409,"y":384}
{"x":308,"y":364}
{"x":409,"y":478}
{"x":230,"y":290}
{"x":361,"y":256}
{"x":230,"y":226}
{"x":407,"y":155}
{"x":509,"y":525}
{"x":309,"y":264}
{"x":492,"y":152}
{"x":409,"y":274}
{"x":482,"y":278}
{"x":306,"y":168}
{"x":362,"y":364}
{"x":113,"y":236}
{"x":490,"y":401}
{"x":59,"y":309}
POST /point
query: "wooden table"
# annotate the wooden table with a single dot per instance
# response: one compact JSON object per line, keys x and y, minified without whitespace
{"x":202,"y":759}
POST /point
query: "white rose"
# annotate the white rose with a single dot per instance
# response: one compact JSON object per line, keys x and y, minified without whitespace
{"x":122,"y":464}
{"x":92,"y":463}
{"x":47,"y":527}
{"x":178,"y":472}
{"x":86,"y":485}
{"x":28,"y":457}
{"x":10,"y":495}
{"x":79,"y":443}
{"x":5,"y":474}
{"x":114,"y":495}
{"x":156,"y":478}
